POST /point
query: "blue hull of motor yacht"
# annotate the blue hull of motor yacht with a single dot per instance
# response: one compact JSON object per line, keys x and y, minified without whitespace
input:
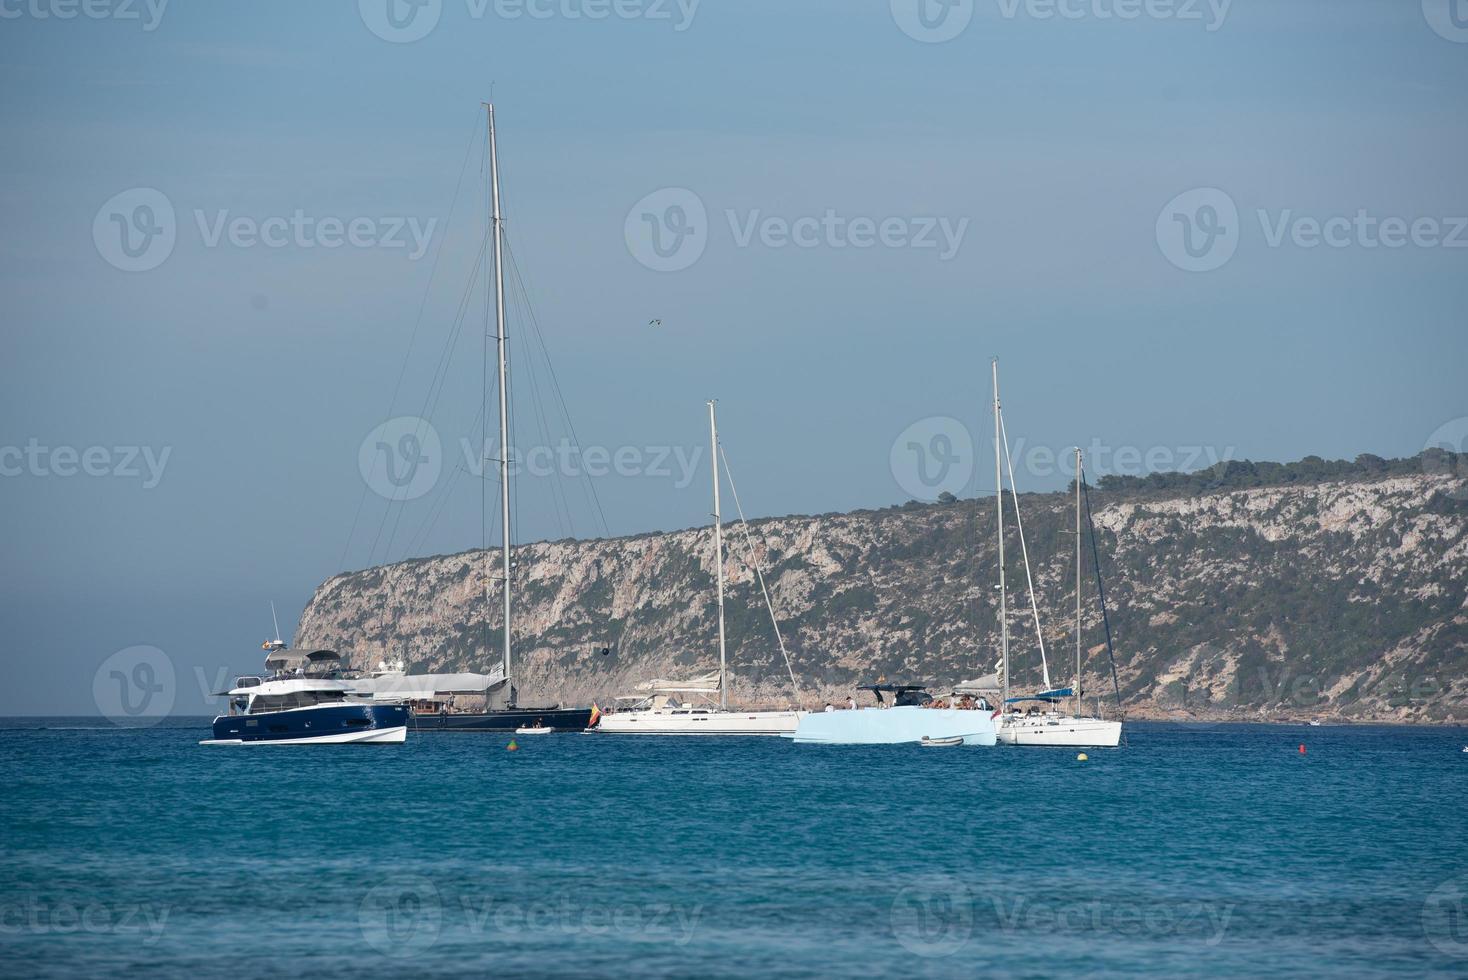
{"x":325,"y":723}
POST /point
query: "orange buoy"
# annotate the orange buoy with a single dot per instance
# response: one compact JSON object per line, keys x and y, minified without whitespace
{"x":513,"y":747}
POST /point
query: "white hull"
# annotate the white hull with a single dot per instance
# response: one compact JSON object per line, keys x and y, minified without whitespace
{"x":895,"y":726}
{"x":371,"y":736}
{"x":1060,"y":730}
{"x":699,"y":722}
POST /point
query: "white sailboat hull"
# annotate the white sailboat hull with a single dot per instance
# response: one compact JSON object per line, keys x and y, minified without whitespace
{"x":698,"y":722}
{"x":1060,"y":730}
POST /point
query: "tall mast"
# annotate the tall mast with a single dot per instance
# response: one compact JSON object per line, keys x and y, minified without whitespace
{"x":718,"y":557}
{"x":497,"y":224}
{"x":999,"y":531}
{"x":1078,"y":582}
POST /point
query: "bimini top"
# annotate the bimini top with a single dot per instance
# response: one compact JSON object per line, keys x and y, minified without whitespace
{"x":1050,"y":696}
{"x":313,"y":661}
{"x":707,"y":684}
{"x":894,"y":688}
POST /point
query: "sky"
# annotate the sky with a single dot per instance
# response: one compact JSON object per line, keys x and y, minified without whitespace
{"x":243,"y":335}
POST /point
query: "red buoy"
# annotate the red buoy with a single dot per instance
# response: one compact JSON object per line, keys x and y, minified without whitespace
{"x":1302,"y":748}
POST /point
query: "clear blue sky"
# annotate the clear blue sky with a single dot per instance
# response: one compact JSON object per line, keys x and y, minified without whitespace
{"x":1060,"y":141}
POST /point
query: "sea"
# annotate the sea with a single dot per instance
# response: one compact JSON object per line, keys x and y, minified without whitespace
{"x":1205,"y":850}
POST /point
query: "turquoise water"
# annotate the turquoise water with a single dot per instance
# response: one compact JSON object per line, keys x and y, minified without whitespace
{"x":1216,"y":851}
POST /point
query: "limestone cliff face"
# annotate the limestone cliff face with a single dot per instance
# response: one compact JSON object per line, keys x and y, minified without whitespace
{"x":1339,"y":598}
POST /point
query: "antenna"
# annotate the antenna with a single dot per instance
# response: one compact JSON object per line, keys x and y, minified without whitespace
{"x":275,"y":621}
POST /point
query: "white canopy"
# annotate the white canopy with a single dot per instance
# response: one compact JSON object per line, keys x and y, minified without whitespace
{"x":396,"y":686}
{"x":707,"y":684}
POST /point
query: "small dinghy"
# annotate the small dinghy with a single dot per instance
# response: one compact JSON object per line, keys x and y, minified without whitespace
{"x":934,"y":743}
{"x":533,"y":730}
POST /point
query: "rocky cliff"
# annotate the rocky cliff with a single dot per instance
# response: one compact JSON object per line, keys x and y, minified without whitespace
{"x":1323,"y":596}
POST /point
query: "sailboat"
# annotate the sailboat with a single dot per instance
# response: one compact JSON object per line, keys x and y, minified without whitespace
{"x":700,"y":706}
{"x":1041,"y":722}
{"x":475,"y":701}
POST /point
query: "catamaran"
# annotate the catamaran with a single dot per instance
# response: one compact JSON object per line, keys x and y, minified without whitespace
{"x":1040,"y":722}
{"x":914,"y":717}
{"x":701,"y":706}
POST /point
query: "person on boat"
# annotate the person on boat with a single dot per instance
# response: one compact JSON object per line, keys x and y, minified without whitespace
{"x":850,"y":703}
{"x":830,"y":706}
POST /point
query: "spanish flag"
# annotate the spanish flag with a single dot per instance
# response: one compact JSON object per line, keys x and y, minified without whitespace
{"x":595,"y":716}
